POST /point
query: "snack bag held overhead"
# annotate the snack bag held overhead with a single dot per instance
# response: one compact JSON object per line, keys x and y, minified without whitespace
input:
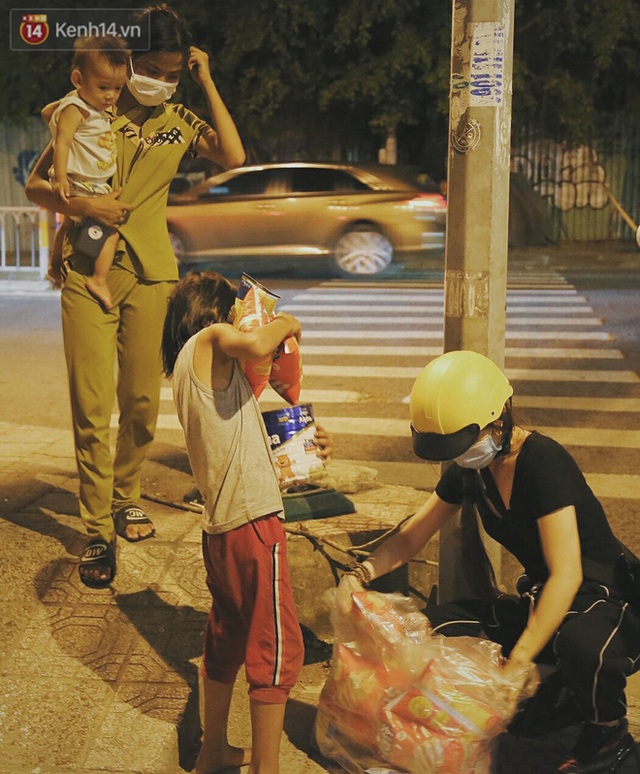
{"x":286,"y":371}
{"x":255,"y":306}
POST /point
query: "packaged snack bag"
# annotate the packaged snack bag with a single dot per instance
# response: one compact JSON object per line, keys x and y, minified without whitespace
{"x":254,"y":306}
{"x":291,"y":434}
{"x":388,"y":627}
{"x":358,"y":684}
{"x":286,"y":371}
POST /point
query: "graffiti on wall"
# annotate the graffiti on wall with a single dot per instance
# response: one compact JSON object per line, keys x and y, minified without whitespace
{"x":25,"y":161}
{"x":568,"y":178}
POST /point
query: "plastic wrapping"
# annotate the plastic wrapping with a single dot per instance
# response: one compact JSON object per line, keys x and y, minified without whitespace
{"x":255,"y":306}
{"x":401,"y":699}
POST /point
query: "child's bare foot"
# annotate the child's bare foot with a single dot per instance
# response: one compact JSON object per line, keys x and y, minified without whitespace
{"x":98,"y":287}
{"x":210,"y":762}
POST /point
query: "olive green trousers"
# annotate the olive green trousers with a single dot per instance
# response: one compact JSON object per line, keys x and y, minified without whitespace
{"x":112,"y":354}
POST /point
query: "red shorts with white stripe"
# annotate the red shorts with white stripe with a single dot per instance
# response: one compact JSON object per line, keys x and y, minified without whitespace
{"x":253,"y":617}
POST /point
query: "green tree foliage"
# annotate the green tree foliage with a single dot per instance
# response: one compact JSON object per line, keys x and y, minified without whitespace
{"x":347,"y":72}
{"x":336,"y":75}
{"x":575,"y":61}
{"x":31,"y":79}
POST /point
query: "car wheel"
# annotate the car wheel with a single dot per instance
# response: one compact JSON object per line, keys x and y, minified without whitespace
{"x":362,"y":250}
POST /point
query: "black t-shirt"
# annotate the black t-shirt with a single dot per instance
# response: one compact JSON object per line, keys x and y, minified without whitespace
{"x":546,"y":479}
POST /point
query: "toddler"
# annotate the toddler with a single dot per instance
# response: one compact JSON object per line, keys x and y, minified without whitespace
{"x":84,"y":155}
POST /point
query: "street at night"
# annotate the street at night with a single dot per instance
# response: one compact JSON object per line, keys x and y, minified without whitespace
{"x":572,"y":351}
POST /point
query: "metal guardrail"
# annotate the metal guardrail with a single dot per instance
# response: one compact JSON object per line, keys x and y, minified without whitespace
{"x":24,"y":240}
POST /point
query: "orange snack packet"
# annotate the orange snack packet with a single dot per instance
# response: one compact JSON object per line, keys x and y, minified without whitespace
{"x":254,"y":306}
{"x":286,"y":371}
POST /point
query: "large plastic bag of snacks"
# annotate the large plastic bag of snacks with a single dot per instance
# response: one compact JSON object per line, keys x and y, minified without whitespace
{"x":401,"y":699}
{"x":255,"y":306}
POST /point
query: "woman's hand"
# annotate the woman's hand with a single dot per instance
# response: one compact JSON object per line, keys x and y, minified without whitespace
{"x":107,"y":209}
{"x":324,"y":442}
{"x":516,"y":665}
{"x":522,"y":679}
{"x":348,"y":585}
{"x":198,"y":64}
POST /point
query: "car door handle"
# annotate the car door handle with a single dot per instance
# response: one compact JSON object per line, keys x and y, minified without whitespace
{"x":265,"y":206}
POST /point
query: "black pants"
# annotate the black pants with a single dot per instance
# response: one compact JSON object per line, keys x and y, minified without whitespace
{"x":596,"y":648}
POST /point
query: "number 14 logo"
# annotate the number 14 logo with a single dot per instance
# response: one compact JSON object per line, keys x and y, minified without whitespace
{"x":34,"y":28}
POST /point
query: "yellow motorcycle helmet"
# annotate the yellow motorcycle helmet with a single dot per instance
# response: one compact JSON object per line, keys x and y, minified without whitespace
{"x":452,"y":400}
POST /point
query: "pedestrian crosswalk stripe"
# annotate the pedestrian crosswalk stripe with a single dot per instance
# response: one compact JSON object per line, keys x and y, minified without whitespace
{"x":571,"y":375}
{"x":572,"y":403}
{"x":307,"y":396}
{"x":593,"y":436}
{"x":393,"y":350}
{"x":436,"y":334}
{"x":331,"y":300}
{"x":614,"y":485}
{"x":413,"y":319}
{"x":529,"y":280}
{"x":415,"y":310}
{"x":514,"y":374}
{"x":400,"y":428}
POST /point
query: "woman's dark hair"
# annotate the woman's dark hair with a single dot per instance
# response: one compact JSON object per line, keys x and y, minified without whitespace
{"x":476,"y":564}
{"x":168,"y":31}
{"x":197,"y":301}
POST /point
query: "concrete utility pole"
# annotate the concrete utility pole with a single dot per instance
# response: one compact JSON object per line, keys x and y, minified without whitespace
{"x":478,"y":203}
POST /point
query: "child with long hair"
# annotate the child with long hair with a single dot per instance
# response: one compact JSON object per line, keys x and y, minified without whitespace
{"x":253,"y":618}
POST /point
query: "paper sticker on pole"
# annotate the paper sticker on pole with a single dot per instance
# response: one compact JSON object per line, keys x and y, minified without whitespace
{"x":467,"y":137}
{"x":466,"y":294}
{"x":486,"y":84}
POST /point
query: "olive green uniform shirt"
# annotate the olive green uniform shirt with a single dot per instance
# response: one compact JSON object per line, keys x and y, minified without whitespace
{"x":148,"y":159}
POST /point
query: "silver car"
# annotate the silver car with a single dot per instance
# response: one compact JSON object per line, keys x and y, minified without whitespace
{"x":361,"y":216}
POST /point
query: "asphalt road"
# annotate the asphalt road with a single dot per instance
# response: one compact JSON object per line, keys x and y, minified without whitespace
{"x":346,"y":387}
{"x":33,"y":385}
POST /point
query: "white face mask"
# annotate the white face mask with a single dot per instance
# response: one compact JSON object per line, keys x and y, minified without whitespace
{"x":480,"y":454}
{"x":149,"y":91}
